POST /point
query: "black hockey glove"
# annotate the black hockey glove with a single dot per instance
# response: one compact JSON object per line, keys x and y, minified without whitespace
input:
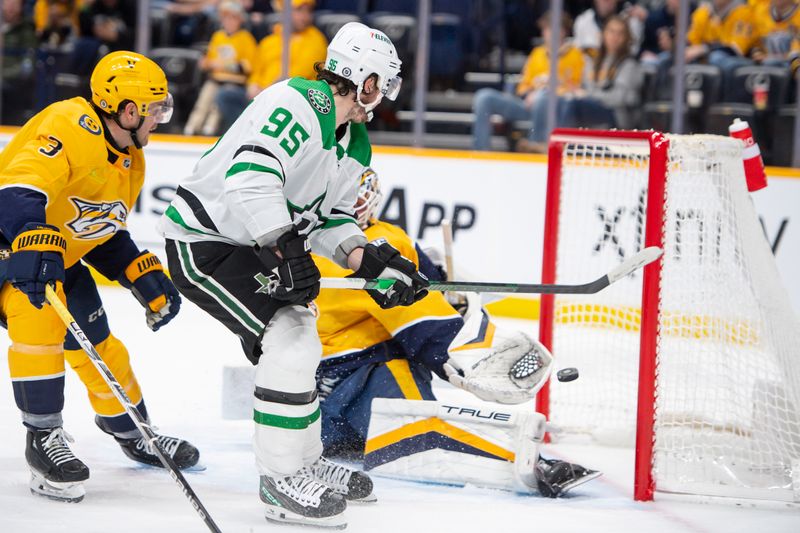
{"x":294,"y":277}
{"x":37,"y":259}
{"x":382,"y":260}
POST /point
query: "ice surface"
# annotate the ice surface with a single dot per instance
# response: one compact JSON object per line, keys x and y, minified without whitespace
{"x":180,"y":370}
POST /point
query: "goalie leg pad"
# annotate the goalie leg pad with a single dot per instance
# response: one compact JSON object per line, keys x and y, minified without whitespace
{"x":453,"y":443}
{"x":286,"y":413}
{"x":346,"y":410}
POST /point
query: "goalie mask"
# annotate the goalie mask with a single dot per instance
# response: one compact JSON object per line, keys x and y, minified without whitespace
{"x":357,"y":52}
{"x":369,"y":197}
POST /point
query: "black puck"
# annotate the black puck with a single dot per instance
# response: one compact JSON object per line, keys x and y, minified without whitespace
{"x":567,"y":374}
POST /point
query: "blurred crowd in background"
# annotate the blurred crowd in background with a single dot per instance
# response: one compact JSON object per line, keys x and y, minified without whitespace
{"x":488,"y":62}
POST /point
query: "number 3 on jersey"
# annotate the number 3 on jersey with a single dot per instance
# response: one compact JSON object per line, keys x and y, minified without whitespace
{"x":278,"y":122}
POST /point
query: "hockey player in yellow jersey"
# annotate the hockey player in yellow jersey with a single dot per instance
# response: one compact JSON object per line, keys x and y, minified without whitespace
{"x":68,"y":180}
{"x":370,"y":352}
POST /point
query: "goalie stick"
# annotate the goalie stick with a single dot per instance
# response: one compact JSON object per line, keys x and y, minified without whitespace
{"x":148,"y":434}
{"x":630,"y":265}
{"x":447,"y":236}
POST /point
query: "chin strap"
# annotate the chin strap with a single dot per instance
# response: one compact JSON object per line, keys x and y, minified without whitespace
{"x":132,"y":131}
{"x":115,"y":118}
{"x":367,"y":107}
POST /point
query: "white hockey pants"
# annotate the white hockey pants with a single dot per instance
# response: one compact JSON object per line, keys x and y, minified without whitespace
{"x":287,"y":415}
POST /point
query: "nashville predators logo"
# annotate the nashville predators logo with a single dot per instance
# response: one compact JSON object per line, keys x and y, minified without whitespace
{"x":97,"y":220}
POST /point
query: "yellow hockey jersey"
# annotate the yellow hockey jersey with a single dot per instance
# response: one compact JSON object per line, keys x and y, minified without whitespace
{"x":237,"y":51}
{"x":90,"y":187}
{"x":732,"y":28}
{"x":777,"y":36}
{"x":350,"y":321}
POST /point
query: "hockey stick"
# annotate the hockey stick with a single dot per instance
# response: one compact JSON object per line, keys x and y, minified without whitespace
{"x":630,"y":265}
{"x":447,"y":236}
{"x":149,"y":435}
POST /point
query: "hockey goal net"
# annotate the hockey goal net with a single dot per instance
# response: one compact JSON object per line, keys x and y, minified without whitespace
{"x":696,"y":359}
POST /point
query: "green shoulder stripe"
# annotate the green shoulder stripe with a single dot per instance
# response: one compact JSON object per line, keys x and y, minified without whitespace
{"x":320,"y":98}
{"x":252,"y":167}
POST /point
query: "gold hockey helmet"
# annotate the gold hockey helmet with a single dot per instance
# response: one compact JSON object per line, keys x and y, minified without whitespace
{"x":127,"y":76}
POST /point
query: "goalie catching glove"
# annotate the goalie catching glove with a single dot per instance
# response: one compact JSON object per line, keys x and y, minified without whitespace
{"x":294,"y":277}
{"x":382,"y":260}
{"x":147,"y":281}
{"x":510,"y":371}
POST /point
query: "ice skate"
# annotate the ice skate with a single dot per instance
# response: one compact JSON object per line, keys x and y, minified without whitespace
{"x":301,"y":500}
{"x":354,"y":485}
{"x":183,"y":453}
{"x":138,"y":449}
{"x":555,"y":478}
{"x":55,"y":472}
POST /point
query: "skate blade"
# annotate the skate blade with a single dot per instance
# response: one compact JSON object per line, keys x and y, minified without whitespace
{"x":590,"y":475}
{"x":370,"y":498}
{"x":279,"y":515}
{"x":71,"y":492}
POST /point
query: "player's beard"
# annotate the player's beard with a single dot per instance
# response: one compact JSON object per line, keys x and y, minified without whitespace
{"x":144,"y":132}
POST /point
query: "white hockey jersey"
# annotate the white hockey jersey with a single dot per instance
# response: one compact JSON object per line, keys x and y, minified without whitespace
{"x":279,"y":164}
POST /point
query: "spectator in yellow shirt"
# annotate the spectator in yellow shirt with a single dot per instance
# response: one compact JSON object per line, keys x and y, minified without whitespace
{"x":56,"y":20}
{"x":777,"y":25}
{"x":609,"y":96}
{"x":229,"y":61}
{"x":307,"y":46}
{"x":722,"y":31}
{"x":531,"y":87}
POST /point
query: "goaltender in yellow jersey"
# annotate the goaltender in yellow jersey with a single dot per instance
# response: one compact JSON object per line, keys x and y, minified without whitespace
{"x":371,"y":353}
{"x":356,"y":322}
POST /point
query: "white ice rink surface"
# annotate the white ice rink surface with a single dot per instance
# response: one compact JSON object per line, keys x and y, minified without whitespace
{"x":179,"y":369}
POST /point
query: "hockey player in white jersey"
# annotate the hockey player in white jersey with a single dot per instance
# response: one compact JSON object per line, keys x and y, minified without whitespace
{"x":281,"y":182}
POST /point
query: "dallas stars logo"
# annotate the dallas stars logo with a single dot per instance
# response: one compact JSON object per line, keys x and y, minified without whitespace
{"x":268,"y":284}
{"x":319,"y":101}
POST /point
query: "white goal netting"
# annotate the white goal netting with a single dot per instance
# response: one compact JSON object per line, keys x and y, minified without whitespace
{"x":728,"y":343}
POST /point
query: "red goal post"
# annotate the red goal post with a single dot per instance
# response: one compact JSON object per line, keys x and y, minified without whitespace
{"x":636,"y":345}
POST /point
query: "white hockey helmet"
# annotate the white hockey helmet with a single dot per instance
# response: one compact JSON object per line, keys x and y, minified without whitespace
{"x":369,"y":197}
{"x":358,"y":51}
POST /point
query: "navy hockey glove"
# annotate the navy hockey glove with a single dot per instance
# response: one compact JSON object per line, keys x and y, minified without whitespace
{"x":294,"y":277}
{"x":382,"y":260}
{"x":146,"y":279}
{"x":37,"y":259}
